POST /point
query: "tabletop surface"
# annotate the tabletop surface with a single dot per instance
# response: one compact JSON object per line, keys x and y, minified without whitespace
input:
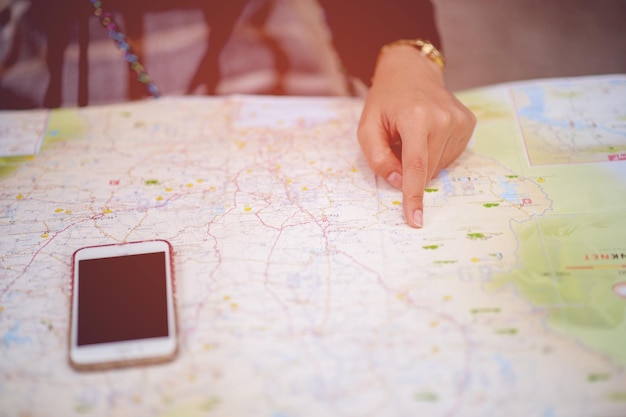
{"x":300,"y":289}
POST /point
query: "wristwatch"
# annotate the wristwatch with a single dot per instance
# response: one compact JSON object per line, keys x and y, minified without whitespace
{"x":424,"y":46}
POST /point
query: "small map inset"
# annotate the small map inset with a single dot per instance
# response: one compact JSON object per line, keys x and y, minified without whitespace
{"x":21,"y":133}
{"x":572,"y":122}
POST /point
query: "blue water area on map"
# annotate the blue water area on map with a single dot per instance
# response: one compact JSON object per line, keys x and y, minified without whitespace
{"x":444,"y":177}
{"x":13,"y":337}
{"x":510,"y":191}
{"x":537,"y":107}
{"x":536,"y":110}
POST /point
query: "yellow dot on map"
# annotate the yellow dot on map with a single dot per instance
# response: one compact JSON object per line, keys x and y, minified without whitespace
{"x":68,"y":211}
{"x":248,"y":170}
{"x":475,"y":259}
{"x":313,"y":162}
{"x":168,"y":189}
{"x":305,"y":189}
{"x":434,"y":324}
{"x":19,"y":197}
{"x":400,"y":296}
{"x":447,"y":298}
{"x":278,"y":167}
{"x":226,"y":297}
{"x":234,"y":305}
{"x":289,"y":181}
{"x":208,"y":346}
{"x":199,"y":180}
{"x":59,"y":210}
{"x":354,"y":169}
{"x":541,"y":180}
{"x":44,"y":235}
{"x":396,"y":203}
{"x":189,"y":185}
{"x":107,"y":211}
{"x":212,"y":188}
{"x":159,"y":198}
{"x":248,"y":208}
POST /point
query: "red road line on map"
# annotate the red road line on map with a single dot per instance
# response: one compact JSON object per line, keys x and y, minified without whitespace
{"x":591,"y":267}
{"x":4,"y":290}
{"x":54,"y":235}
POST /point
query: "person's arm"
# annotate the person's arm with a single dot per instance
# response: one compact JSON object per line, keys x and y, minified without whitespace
{"x":411,"y":126}
{"x":361,"y":28}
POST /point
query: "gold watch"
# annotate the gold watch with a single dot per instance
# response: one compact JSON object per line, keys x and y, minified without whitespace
{"x":424,"y":46}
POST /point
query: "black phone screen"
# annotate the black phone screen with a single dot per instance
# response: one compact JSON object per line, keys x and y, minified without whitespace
{"x":122,"y":298}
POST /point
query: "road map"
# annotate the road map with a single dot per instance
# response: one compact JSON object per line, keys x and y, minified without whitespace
{"x":300,"y":289}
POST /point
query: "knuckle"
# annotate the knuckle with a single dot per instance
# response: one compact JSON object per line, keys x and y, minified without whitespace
{"x":468,"y":123}
{"x":414,"y":198}
{"x":444,"y":117}
{"x":413,"y":113}
{"x":415,"y":163}
{"x":418,"y":110}
{"x":465,"y":115}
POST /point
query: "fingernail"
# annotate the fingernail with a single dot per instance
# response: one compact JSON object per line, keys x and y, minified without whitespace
{"x":418,"y":218}
{"x":395,"y":179}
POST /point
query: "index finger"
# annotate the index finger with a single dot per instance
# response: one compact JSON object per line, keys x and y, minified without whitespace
{"x":415,"y":169}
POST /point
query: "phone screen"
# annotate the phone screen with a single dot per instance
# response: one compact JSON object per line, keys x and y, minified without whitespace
{"x":122,"y":298}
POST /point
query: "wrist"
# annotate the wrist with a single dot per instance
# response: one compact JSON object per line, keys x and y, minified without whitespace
{"x":402,"y":62}
{"x":423,"y":46}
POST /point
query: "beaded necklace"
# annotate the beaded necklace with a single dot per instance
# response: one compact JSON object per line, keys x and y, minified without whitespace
{"x":115,"y":33}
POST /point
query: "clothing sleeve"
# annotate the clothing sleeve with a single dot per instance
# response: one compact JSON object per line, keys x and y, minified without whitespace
{"x":360,"y":28}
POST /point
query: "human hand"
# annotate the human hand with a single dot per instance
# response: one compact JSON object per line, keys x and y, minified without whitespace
{"x":411,"y":126}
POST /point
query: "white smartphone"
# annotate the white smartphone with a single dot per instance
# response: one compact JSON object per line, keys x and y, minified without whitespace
{"x":123,"y":310}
